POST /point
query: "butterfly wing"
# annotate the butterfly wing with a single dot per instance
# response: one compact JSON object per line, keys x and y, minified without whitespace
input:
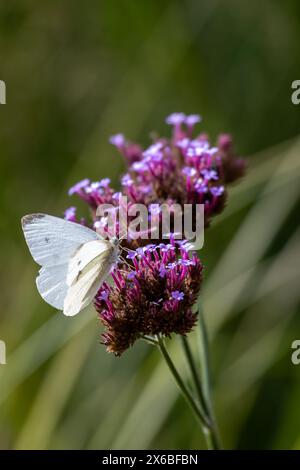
{"x":52,"y":286}
{"x":52,"y":242}
{"x":84,"y":255}
{"x":85,"y":282}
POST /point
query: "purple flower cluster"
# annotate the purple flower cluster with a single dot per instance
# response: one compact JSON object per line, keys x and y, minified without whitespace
{"x":93,"y":193}
{"x":155,"y":296}
{"x":182,"y":170}
{"x":155,"y":290}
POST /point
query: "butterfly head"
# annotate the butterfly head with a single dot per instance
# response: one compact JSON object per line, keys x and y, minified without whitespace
{"x":115,"y":241}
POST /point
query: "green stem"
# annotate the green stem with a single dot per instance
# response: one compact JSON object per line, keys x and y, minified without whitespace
{"x":204,"y":359}
{"x":150,"y":340}
{"x":184,"y":390}
{"x":211,"y":433}
{"x":193,"y":369}
{"x":203,"y":345}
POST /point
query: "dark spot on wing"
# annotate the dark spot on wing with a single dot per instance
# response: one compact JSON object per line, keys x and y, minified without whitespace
{"x":47,"y":240}
{"x":29,"y":219}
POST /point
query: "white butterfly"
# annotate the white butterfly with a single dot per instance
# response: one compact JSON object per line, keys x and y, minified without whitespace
{"x":75,"y":260}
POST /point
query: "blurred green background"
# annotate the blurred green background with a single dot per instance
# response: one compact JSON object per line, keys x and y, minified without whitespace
{"x":77,"y":73}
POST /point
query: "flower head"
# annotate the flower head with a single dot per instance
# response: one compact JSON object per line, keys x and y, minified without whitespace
{"x":182,"y":173}
{"x":183,"y":170}
{"x":155,"y":289}
{"x":154,"y":297}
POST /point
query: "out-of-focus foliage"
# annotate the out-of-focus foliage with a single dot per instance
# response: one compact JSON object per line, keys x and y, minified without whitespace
{"x":76,"y":74}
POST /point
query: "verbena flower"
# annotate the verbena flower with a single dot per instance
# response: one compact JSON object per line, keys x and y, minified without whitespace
{"x":155,"y":291}
{"x":155,"y":297}
{"x":182,"y":170}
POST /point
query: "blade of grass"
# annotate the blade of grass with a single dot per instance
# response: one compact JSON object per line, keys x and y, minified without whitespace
{"x":54,"y":392}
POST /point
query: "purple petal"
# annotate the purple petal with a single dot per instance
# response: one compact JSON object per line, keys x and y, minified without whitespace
{"x":192,"y":119}
{"x":131,"y":275}
{"x":78,"y":186}
{"x":175,"y":118}
{"x":127,"y":180}
{"x":188,"y":171}
{"x":103,"y":295}
{"x":118,"y":140}
{"x":177,"y":295}
{"x":70,"y":214}
{"x":209,"y":174}
{"x":105,"y":182}
{"x":131,"y":255}
{"x":217,"y":190}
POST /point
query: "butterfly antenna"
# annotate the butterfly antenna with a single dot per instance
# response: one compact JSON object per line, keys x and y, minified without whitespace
{"x":127,"y":249}
{"x":125,"y":262}
{"x":123,"y":236}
